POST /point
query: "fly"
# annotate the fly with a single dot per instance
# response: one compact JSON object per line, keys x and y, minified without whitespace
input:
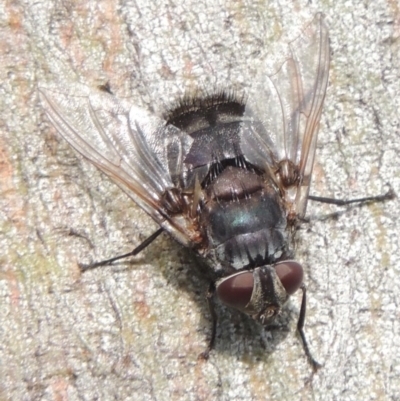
{"x":225,"y":176}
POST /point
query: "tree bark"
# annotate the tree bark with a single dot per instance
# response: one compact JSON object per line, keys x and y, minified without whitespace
{"x":133,"y":331}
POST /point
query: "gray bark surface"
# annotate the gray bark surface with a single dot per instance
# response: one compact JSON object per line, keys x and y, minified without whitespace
{"x":133,"y":331}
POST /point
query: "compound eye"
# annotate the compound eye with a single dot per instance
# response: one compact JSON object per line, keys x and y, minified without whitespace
{"x":235,"y":291}
{"x":291,"y":275}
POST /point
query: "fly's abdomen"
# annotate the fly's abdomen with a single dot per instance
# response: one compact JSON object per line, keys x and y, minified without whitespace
{"x":244,"y":220}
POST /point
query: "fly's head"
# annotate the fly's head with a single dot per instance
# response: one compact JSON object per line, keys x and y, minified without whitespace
{"x":261,"y":293}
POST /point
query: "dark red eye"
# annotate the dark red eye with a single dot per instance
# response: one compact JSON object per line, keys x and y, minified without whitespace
{"x":291,"y":275}
{"x":236,"y":290}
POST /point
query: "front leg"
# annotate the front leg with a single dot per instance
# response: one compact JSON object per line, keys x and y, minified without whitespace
{"x":210,"y":301}
{"x":300,"y":329}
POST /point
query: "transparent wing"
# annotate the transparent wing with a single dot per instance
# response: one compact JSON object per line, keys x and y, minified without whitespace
{"x":135,"y":149}
{"x":288,"y":105}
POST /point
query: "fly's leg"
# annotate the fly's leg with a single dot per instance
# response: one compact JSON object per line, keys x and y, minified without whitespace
{"x":343,"y":202}
{"x":210,"y":301}
{"x":138,"y":249}
{"x":300,"y":329}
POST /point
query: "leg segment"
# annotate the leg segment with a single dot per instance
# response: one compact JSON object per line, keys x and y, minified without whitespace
{"x":138,"y":249}
{"x":210,"y":302}
{"x":300,"y":329}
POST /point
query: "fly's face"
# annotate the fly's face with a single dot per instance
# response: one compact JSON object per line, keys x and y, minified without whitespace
{"x":261,"y":292}
{"x":223,"y":175}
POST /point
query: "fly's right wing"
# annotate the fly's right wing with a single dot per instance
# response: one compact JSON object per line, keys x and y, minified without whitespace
{"x":288,"y":106}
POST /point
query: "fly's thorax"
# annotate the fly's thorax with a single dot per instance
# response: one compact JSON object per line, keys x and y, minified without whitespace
{"x":244,"y":220}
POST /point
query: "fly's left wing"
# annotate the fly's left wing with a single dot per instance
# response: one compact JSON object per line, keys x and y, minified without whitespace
{"x":288,"y":106}
{"x":137,"y":150}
